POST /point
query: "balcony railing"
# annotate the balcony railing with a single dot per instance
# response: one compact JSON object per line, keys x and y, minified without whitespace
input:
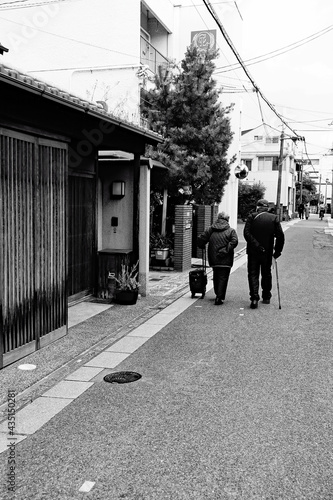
{"x":150,"y":56}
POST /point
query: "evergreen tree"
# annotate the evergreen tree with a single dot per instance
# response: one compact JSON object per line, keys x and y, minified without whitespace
{"x":248,"y":196}
{"x":309,"y":190}
{"x":184,"y":107}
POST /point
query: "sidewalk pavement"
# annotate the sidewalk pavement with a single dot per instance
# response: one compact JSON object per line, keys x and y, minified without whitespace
{"x":99,"y":338}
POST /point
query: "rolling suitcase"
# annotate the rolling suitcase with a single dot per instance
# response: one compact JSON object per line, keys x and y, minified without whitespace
{"x":198,"y":278}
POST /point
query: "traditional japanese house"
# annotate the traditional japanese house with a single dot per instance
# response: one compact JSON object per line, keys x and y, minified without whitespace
{"x":55,"y":207}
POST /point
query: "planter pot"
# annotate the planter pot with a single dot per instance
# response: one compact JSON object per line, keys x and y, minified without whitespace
{"x":126,"y":297}
{"x":161,"y":253}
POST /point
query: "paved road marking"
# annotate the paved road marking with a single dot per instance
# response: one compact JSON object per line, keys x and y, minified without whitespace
{"x":107,"y":359}
{"x":33,"y":416}
{"x":127,"y":344}
{"x":70,"y":389}
{"x":84,"y":373}
{"x":87,"y":486}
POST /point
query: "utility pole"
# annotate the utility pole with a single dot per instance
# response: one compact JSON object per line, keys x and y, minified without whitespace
{"x":326,"y":182}
{"x":278,"y":194}
{"x":301,"y":192}
{"x":332,"y":196}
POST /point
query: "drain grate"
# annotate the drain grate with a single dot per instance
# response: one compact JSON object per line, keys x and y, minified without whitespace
{"x":122,"y":377}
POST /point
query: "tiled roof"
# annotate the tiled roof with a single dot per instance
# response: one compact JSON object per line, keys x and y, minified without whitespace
{"x":16,"y":77}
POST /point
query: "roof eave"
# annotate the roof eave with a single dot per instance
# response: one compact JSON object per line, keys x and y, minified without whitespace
{"x":39,"y":88}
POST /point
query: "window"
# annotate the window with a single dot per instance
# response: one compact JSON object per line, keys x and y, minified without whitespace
{"x":258,"y":137}
{"x":268,"y":163}
{"x":272,"y":140}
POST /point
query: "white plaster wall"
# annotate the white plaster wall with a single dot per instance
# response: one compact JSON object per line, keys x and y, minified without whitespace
{"x":89,"y":34}
{"x":117,"y":87}
{"x":229,"y":202}
{"x":252,"y":149}
{"x":270,"y":179}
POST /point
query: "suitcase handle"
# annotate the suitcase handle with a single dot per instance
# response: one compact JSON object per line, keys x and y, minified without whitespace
{"x":204,"y":258}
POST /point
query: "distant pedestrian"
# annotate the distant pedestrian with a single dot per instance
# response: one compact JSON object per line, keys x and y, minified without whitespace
{"x":307,"y":211}
{"x":222,"y":240}
{"x":301,"y":210}
{"x":265,"y":240}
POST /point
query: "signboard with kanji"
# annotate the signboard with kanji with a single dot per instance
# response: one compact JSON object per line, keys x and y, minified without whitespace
{"x":204,"y":40}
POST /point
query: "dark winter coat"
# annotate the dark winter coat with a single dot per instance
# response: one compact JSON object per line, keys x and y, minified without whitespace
{"x":222,"y":240}
{"x":261,"y":229}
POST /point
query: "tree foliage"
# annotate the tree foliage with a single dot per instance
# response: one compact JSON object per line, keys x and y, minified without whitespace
{"x":309,"y":190}
{"x":248,"y":196}
{"x":184,"y":106}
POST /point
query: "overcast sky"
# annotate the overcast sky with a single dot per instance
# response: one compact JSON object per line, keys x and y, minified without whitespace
{"x":299,"y":83}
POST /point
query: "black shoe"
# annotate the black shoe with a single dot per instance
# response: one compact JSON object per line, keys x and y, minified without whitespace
{"x":266,"y":301}
{"x":218,"y":301}
{"x":254,"y":304}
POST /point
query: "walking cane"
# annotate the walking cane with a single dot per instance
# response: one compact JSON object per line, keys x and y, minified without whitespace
{"x":277,"y":283}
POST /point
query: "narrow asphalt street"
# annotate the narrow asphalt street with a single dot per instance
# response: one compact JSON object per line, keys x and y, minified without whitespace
{"x":233,"y":403}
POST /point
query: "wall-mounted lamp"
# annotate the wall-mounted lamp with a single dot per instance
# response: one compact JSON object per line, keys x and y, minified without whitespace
{"x":117,"y":189}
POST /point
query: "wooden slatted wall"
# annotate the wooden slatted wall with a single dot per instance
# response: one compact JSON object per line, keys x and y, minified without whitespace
{"x":33,"y":175}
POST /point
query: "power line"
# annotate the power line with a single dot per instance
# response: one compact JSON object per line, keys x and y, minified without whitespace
{"x":239,"y":59}
{"x":243,"y":89}
{"x":68,"y":38}
{"x":278,"y":52}
{"x":318,"y":130}
{"x":261,"y":113}
{"x":21,"y":4}
{"x":14,"y":2}
{"x":310,"y":121}
{"x":330,"y":113}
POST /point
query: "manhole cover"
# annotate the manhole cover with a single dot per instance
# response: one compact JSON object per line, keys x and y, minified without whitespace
{"x":122,"y":377}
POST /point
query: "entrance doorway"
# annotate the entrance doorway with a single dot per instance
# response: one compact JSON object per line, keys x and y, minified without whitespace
{"x":81,"y":236}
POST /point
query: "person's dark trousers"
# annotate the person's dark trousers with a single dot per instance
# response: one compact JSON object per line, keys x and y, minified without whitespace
{"x":220,"y":280}
{"x":256,"y":264}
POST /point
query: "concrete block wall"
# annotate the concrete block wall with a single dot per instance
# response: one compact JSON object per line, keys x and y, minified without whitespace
{"x":214,"y":212}
{"x":204,"y":220}
{"x":183,"y":237}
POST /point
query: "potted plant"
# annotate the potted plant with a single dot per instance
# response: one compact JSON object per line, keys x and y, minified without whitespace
{"x":127,"y":285}
{"x":160,"y":245}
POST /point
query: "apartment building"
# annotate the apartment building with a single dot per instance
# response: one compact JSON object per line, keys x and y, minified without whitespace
{"x":260,"y":153}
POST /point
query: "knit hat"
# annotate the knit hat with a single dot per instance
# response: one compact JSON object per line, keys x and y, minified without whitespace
{"x":263,"y":203}
{"x":223,"y":215}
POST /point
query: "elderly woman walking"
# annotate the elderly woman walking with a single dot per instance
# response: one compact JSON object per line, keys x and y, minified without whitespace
{"x":222,"y":240}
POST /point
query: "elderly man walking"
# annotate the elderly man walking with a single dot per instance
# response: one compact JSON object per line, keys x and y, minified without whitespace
{"x":265,"y":240}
